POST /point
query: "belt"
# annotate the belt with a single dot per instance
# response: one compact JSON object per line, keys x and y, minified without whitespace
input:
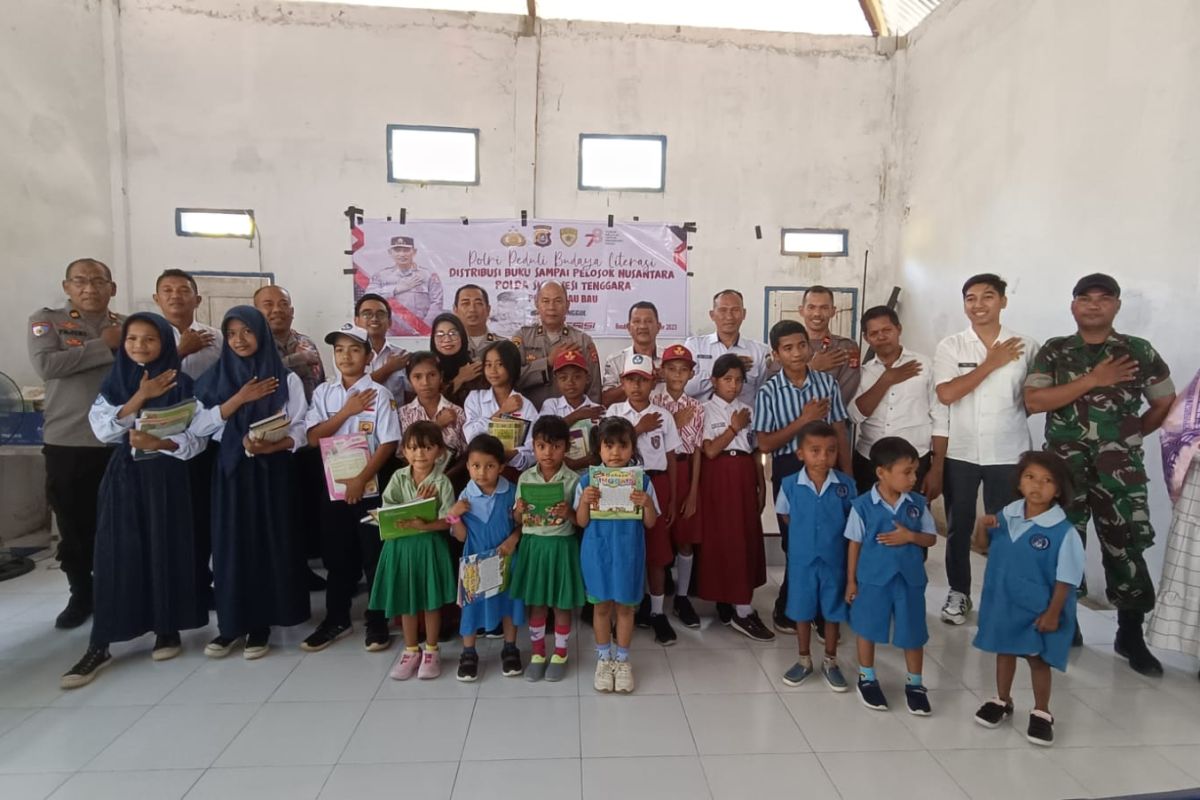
{"x":735,"y":453}
{"x":653,"y":472}
{"x":682,"y":456}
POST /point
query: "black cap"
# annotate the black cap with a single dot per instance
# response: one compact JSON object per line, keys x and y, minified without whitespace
{"x":1097,"y":280}
{"x":401,"y":241}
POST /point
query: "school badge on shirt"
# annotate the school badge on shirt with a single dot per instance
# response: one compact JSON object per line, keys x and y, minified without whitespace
{"x":655,"y":441}
{"x":841,"y":490}
{"x":1039,"y":541}
{"x":913,"y":513}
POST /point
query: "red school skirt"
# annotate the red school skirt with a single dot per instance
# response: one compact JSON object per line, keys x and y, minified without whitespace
{"x":732,"y":562}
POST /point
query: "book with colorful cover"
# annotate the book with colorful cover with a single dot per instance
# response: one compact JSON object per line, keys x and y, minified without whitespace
{"x":616,"y":485}
{"x":344,"y":457}
{"x":581,"y":443}
{"x":163,"y":422}
{"x":391,"y":519}
{"x":482,"y":575}
{"x":509,"y":430}
{"x":270,"y":429}
{"x":541,"y":497}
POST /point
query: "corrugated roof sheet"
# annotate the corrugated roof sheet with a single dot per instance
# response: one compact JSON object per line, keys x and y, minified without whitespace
{"x":904,"y":15}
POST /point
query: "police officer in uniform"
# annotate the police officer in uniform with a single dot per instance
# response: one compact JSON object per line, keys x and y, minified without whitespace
{"x":72,"y":350}
{"x":541,"y":344}
{"x":415,"y":292}
{"x":1091,"y":386}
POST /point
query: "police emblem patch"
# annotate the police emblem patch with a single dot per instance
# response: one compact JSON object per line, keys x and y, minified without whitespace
{"x":1039,"y":541}
{"x":40,"y":328}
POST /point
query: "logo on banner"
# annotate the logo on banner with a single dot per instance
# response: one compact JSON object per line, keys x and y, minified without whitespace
{"x":541,"y":235}
{"x":512,"y":239}
{"x":568,"y":236}
{"x":594,"y":237}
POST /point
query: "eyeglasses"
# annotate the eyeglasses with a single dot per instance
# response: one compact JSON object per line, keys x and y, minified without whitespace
{"x":374,"y":314}
{"x":446,"y":335}
{"x":95,"y":283}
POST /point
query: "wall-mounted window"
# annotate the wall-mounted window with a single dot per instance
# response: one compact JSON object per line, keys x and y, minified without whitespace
{"x":429,"y":154}
{"x":221,"y":223}
{"x":615,"y":163}
{"x":814,"y":242}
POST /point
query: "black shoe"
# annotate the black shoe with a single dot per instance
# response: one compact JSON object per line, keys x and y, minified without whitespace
{"x":687,"y":615}
{"x":586,"y":613}
{"x":468,"y":667}
{"x":993,"y":712}
{"x":510,"y":661}
{"x":258,"y":644}
{"x":314,"y":582}
{"x":221,"y":646}
{"x":378,"y":638}
{"x":495,"y":633}
{"x":669,"y":583}
{"x":84,"y":672}
{"x":1041,"y":730}
{"x":79,"y":608}
{"x":166,"y":646}
{"x":752,"y":627}
{"x":724,"y":613}
{"x":1131,"y":644}
{"x":871,"y":695}
{"x":664,"y":634}
{"x":782,"y":623}
{"x":326,"y":634}
{"x":818,"y":624}
{"x":642,"y":617}
{"x":1077,"y":638}
{"x":917,"y":698}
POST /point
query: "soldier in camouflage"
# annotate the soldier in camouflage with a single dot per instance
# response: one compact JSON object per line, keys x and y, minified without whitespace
{"x":1091,"y":386}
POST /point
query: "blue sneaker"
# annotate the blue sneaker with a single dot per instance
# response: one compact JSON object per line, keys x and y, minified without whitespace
{"x":871,"y":695}
{"x":833,"y":676}
{"x":917,"y":698}
{"x":796,"y":675}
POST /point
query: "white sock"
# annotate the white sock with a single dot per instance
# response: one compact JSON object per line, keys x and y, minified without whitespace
{"x":743,"y":611}
{"x":683,"y":574}
{"x":656,"y":603}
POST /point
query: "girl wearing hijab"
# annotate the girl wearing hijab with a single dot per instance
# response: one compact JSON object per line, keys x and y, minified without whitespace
{"x":259,"y":571}
{"x":460,"y":375}
{"x":145,"y":577}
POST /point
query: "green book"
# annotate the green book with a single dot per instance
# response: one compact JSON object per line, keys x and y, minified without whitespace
{"x":391,"y":519}
{"x":541,"y":497}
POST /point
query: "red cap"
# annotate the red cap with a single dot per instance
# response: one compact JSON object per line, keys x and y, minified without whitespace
{"x":678,"y":352}
{"x":570,"y":358}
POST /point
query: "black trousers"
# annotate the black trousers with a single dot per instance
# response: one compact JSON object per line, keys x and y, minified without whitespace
{"x":782,"y":467}
{"x":200,"y":472}
{"x":350,"y":550}
{"x":961,"y":488}
{"x":309,"y":494}
{"x":73,"y":476}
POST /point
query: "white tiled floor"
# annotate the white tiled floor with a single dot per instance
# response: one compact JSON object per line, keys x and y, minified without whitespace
{"x":710,"y":719}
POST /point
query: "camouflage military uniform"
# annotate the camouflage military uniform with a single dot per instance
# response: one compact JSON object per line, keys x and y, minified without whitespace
{"x":1099,"y":437}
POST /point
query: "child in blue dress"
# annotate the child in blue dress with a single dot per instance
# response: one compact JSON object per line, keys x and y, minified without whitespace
{"x":613,"y":556}
{"x":889,"y":529}
{"x":1035,"y":561}
{"x":482,"y":520}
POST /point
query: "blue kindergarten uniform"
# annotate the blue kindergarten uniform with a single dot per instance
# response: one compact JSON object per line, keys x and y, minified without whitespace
{"x":891,"y":579}
{"x":816,"y":551}
{"x":489,"y":522}
{"x":1026,"y":558}
{"x":613,"y":553}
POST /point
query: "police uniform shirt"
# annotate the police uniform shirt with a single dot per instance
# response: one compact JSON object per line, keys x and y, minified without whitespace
{"x":197,"y":363}
{"x":380,"y":423}
{"x":707,"y":349}
{"x":111,"y":429}
{"x":847,"y":376}
{"x":615,"y":363}
{"x":475,"y":344}
{"x":418,"y":291}
{"x":910,"y":410}
{"x":1071,"y":558}
{"x":653,"y":446}
{"x":397,"y":382}
{"x":537,"y":373}
{"x":208,"y":421}
{"x":68,"y":354}
{"x":717,"y":415}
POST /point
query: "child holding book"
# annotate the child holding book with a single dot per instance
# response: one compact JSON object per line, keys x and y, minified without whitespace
{"x":888,"y":529}
{"x":613,"y":555}
{"x":816,"y":502}
{"x":1035,"y":561}
{"x":501,"y":369}
{"x":547,"y":576}
{"x":573,"y":405}
{"x":657,"y":443}
{"x":678,"y":367}
{"x":431,"y":405}
{"x":416,"y":574}
{"x":259,"y":570}
{"x":483,"y":520}
{"x":145,"y":576}
{"x":356,"y":404}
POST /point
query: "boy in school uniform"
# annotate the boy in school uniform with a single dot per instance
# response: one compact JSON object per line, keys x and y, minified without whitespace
{"x":657,"y":443}
{"x":574,"y":406}
{"x":815,"y":502}
{"x":354,"y":404}
{"x":889,"y":528}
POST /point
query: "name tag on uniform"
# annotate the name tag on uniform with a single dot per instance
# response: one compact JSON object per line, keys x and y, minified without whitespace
{"x":971,"y":364}
{"x":704,"y":355}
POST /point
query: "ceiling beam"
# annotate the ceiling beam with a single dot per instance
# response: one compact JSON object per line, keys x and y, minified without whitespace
{"x":530,"y":24}
{"x":873,"y":11}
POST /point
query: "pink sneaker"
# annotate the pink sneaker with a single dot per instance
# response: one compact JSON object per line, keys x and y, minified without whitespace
{"x":405,"y":666}
{"x":431,"y":665}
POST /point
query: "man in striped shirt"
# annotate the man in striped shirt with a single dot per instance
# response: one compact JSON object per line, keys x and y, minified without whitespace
{"x":787,"y":402}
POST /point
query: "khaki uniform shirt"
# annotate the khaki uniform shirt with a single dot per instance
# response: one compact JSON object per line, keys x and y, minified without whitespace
{"x":537,"y":373}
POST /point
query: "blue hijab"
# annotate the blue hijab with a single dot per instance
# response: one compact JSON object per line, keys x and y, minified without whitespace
{"x":123,"y":379}
{"x":223,"y":380}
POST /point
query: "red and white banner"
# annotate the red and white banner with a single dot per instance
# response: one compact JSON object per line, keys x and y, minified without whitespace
{"x":419,"y":265}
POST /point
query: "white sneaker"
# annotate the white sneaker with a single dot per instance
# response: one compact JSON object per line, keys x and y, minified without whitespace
{"x":957,"y":606}
{"x":623,"y":677}
{"x":603,"y":681}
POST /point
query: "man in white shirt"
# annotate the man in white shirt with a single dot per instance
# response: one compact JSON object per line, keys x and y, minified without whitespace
{"x":643,"y":327}
{"x":896,"y":397}
{"x":728,"y":313}
{"x":177,"y":297}
{"x":373,"y":314}
{"x":979,"y":374}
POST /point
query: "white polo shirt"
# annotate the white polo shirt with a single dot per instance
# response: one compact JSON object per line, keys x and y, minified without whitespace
{"x":707,"y":349}
{"x":909,"y":410}
{"x":989,"y":426}
{"x":717,"y":414}
{"x":397,"y":382}
{"x":653,"y":446}
{"x":380,"y":424}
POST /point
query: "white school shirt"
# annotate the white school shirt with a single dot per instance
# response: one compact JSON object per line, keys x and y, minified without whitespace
{"x":614,"y":365}
{"x":909,"y":410}
{"x":707,"y":349}
{"x":397,"y":382}
{"x":559,"y":407}
{"x":197,"y":363}
{"x":110,"y":430}
{"x":380,"y":424}
{"x":479,"y":407}
{"x":717,"y":414}
{"x":654,"y":445}
{"x":989,"y":426}
{"x":208,"y":421}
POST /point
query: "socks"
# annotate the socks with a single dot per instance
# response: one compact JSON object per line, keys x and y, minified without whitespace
{"x":537,"y":636}
{"x":414,"y":649}
{"x":508,"y":647}
{"x":743,"y":610}
{"x":469,"y":651}
{"x":683,"y":574}
{"x":622,"y":653}
{"x":912,"y":679}
{"x":805,"y":660}
{"x":866,"y":673}
{"x":562,"y":635}
{"x":431,"y":648}
{"x":656,"y":604}
{"x":604,"y":651}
